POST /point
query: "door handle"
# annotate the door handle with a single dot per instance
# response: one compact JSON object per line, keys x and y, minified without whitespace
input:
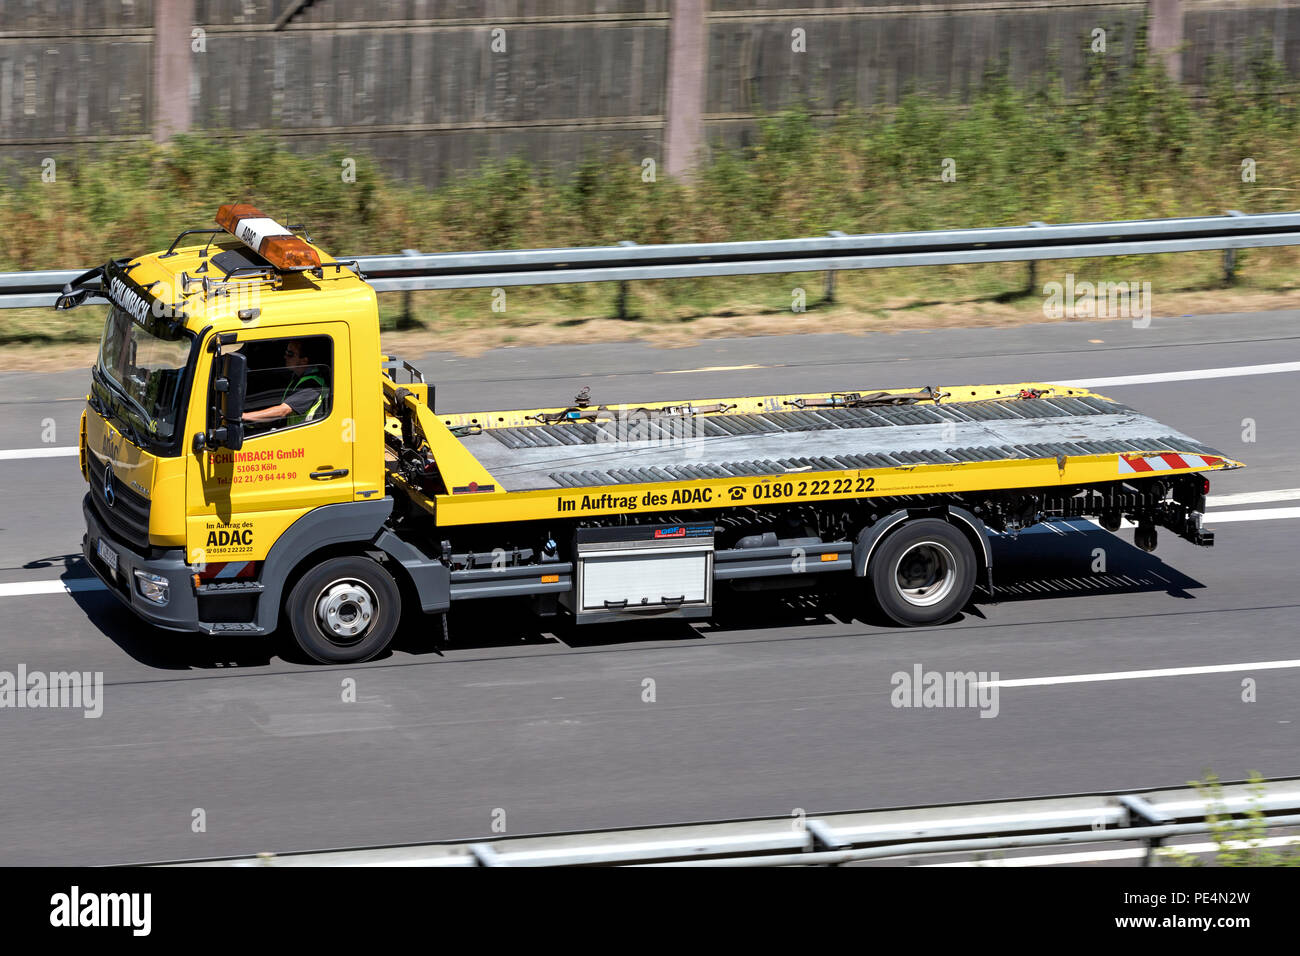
{"x":326,"y":475}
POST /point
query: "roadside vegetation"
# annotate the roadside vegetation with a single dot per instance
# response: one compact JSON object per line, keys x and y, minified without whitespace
{"x":1128,"y":144}
{"x":1247,"y":845}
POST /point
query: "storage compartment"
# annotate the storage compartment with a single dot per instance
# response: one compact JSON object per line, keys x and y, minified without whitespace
{"x":649,"y":580}
{"x":643,"y":570}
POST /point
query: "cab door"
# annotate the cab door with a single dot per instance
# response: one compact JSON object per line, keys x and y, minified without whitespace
{"x":240,"y":502}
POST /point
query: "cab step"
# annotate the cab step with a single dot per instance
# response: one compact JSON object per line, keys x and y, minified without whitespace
{"x":230,"y":587}
{"x":233,"y":628}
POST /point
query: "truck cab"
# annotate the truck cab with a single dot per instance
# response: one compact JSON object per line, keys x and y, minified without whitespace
{"x":193,"y":478}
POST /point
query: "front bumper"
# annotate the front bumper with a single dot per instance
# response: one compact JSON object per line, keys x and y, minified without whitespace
{"x":180,"y":613}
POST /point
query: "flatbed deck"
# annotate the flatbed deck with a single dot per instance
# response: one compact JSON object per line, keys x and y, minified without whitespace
{"x":527,"y":458}
{"x":539,"y":463}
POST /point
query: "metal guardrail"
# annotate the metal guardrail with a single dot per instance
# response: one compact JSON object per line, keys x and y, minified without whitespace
{"x":415,"y":271}
{"x":1149,"y":817}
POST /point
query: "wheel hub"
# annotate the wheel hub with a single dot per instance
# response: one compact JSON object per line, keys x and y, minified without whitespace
{"x":925,"y":574}
{"x":345,"y":609}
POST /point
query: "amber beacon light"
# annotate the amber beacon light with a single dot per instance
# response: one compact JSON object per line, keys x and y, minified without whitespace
{"x":274,"y":243}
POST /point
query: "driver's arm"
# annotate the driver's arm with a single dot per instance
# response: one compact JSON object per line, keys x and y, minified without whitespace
{"x":268,"y":414}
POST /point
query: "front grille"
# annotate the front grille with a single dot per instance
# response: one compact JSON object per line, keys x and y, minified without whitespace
{"x":128,"y":518}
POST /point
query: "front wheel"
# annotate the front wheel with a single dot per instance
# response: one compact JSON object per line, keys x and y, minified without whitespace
{"x":924,"y":572}
{"x":344,"y":610}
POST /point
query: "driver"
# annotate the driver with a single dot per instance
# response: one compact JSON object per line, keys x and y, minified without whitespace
{"x":307,"y":395}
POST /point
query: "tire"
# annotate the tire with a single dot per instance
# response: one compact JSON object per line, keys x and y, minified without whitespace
{"x":923,"y":573}
{"x":344,"y":610}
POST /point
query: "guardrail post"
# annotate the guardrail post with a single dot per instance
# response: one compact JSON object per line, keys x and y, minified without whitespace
{"x":824,"y":839}
{"x":829,"y":297}
{"x":407,"y":319}
{"x":620,"y":303}
{"x":485,"y":855}
{"x":1032,"y":288}
{"x":1230,"y":255}
{"x":1149,"y":816}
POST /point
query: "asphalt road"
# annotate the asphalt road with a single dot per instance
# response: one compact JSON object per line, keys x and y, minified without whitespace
{"x":781,"y":703}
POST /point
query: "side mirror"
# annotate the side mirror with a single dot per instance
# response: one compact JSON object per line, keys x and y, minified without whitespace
{"x":235,"y":375}
{"x":70,"y":300}
{"x":231,"y":383}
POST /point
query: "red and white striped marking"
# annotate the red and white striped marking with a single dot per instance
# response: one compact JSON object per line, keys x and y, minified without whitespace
{"x":224,"y":570}
{"x":1166,"y":462}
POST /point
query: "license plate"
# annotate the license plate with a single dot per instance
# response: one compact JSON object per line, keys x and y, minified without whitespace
{"x":107,"y":555}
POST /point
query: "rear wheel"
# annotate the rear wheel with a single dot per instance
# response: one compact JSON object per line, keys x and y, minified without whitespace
{"x":344,"y":610}
{"x":924,"y":572}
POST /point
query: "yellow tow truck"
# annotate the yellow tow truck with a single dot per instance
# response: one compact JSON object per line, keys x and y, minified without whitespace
{"x":254,"y":459}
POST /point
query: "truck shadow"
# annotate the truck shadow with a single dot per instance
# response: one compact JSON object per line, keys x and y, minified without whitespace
{"x":1063,"y":560}
{"x":71,"y":563}
{"x":1075,"y":559}
{"x":489,"y":625}
{"x":153,"y":646}
{"x":1069,"y":559}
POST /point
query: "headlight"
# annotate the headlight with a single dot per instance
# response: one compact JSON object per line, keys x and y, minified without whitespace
{"x":152,"y":587}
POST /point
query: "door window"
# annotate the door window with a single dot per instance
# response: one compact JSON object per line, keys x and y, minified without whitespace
{"x":290,"y":383}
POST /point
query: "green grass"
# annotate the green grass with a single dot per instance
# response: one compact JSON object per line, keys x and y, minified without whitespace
{"x":1130,"y":145}
{"x":1241,"y":845}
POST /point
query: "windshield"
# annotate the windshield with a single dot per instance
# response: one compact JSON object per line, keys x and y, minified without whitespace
{"x":148,"y":372}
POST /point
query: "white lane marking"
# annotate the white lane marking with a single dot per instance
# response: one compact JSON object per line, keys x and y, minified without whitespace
{"x":25,"y":588}
{"x":1260,"y":514}
{"x":68,"y":586}
{"x":1102,"y":856}
{"x":21,"y":589}
{"x":1142,"y":675}
{"x":708,"y":368}
{"x":1188,"y":376}
{"x":58,"y":451}
{"x":1148,"y":379}
{"x":1220,"y":517}
{"x":1253,"y":497}
{"x":1124,"y":522}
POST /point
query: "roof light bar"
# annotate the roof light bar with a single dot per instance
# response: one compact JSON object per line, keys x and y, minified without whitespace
{"x":270,"y":240}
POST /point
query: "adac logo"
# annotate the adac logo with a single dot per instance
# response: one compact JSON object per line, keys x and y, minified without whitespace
{"x":227,"y":538}
{"x":109,"y":494}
